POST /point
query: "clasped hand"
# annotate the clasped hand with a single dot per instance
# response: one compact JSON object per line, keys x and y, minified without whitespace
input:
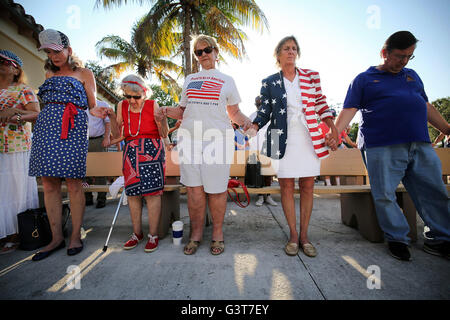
{"x":331,"y":140}
{"x":101,"y":112}
{"x":160,"y":114}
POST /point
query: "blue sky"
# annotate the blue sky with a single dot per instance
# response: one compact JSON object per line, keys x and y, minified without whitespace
{"x":337,"y":38}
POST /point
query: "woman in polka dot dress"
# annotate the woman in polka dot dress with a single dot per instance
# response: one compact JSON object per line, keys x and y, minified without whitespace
{"x":60,"y":139}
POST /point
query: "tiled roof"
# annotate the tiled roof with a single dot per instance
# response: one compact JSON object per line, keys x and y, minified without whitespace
{"x":25,"y":22}
{"x":27,"y":26}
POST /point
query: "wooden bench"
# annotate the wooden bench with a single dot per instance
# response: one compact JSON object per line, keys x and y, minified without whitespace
{"x":109,"y":164}
{"x":357,"y":207}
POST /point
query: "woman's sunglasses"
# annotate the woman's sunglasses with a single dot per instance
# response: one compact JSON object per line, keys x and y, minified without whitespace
{"x":7,"y":62}
{"x":199,"y":52}
{"x":134,"y":97}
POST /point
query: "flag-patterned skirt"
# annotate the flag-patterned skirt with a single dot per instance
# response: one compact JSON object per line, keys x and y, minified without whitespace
{"x":144,"y":167}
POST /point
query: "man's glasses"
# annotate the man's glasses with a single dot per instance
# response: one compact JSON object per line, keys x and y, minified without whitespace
{"x":402,"y":57}
{"x":199,"y":52}
{"x":134,"y":97}
{"x":7,"y":62}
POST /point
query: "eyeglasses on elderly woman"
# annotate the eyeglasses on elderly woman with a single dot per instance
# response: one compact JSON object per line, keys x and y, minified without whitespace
{"x":199,"y":52}
{"x":127,"y":96}
{"x":8,"y":63}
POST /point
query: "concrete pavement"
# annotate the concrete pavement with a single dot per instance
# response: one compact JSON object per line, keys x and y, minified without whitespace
{"x":253,"y":266}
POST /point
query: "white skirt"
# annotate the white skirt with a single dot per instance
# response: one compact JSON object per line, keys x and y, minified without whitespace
{"x":300,"y":160}
{"x":18,"y":191}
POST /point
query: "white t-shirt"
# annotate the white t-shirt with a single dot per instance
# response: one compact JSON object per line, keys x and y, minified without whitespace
{"x":206,"y":95}
{"x":97,"y":125}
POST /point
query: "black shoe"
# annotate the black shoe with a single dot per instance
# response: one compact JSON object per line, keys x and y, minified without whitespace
{"x":100,"y":204}
{"x":399,"y":250}
{"x":74,"y":251}
{"x":89,"y":202}
{"x":439,"y":249}
{"x":44,"y":254}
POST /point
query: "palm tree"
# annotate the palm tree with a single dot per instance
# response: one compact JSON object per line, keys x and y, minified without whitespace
{"x":171,"y":23}
{"x":142,"y":57}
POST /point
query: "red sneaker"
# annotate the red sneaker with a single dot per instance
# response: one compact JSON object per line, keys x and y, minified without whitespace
{"x":133,"y":242}
{"x":152,"y":243}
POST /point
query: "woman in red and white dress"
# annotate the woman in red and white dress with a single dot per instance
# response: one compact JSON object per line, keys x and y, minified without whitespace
{"x":143,"y":157}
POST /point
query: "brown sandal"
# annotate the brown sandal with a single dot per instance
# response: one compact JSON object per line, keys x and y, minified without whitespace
{"x":217,"y":247}
{"x":191,"y":247}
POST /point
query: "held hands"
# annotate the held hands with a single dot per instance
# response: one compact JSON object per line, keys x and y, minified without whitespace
{"x":106,"y":142}
{"x":252,"y":130}
{"x":331,"y":139}
{"x":160,"y":114}
{"x":100,"y":112}
{"x":7,"y":114}
{"x":170,"y":146}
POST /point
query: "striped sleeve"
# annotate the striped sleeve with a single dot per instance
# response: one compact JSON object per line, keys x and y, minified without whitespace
{"x":321,"y":106}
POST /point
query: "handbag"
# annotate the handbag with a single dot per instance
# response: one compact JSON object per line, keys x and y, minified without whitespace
{"x":34,"y":229}
{"x":253,"y":177}
{"x":233,"y":183}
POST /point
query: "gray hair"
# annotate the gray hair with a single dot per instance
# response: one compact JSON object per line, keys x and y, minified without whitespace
{"x":137,"y":86}
{"x":280,"y":45}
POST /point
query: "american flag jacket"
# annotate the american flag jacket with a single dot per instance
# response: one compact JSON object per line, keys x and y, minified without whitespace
{"x":274,"y":109}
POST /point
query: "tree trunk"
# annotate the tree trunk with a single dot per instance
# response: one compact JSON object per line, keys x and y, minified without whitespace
{"x":187,"y":41}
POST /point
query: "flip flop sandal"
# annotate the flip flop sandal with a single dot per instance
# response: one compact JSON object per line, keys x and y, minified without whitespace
{"x":191,"y":247}
{"x":217,"y":247}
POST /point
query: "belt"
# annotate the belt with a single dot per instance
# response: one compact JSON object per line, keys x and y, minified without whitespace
{"x":68,"y":118}
{"x":92,"y":138}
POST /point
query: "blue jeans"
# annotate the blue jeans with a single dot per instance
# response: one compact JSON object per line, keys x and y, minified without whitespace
{"x":417,"y":165}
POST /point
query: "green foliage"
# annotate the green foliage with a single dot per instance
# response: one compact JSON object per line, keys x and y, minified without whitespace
{"x":443,"y":106}
{"x":170,"y":24}
{"x":353,"y":132}
{"x":163,"y":99}
{"x":105,"y":75}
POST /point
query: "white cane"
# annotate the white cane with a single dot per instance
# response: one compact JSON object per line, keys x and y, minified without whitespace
{"x":114,"y":221}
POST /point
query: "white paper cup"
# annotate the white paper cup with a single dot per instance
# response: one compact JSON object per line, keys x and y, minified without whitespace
{"x":177,"y":232}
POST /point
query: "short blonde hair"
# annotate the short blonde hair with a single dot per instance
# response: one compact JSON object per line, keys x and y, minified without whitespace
{"x":137,"y":86}
{"x":280,"y":45}
{"x":210,"y":41}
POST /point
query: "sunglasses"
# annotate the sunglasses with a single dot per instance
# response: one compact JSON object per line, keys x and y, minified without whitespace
{"x":7,"y":62}
{"x":134,"y":97}
{"x":199,"y":52}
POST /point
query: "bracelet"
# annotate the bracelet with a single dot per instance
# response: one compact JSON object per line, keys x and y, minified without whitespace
{"x":19,"y":119}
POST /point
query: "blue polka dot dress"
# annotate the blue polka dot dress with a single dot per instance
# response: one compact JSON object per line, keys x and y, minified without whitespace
{"x":51,"y":154}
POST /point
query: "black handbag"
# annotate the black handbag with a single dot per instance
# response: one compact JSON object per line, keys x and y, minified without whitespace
{"x":34,"y":229}
{"x":253,"y":177}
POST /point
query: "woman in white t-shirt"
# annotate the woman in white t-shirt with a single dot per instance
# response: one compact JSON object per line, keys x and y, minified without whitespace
{"x":206,"y":141}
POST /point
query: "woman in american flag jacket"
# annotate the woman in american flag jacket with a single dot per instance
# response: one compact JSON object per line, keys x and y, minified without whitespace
{"x":292,"y":102}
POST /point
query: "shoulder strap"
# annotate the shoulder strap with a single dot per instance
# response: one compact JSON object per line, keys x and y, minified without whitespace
{"x":237,"y":201}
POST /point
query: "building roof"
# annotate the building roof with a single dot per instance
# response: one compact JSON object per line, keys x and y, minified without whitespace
{"x":27,"y":26}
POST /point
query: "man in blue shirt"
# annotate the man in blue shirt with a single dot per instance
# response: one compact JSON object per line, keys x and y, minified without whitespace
{"x":395,"y":111}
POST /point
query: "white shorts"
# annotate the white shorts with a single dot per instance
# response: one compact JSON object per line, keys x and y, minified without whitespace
{"x":201,"y":165}
{"x":213,"y":177}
